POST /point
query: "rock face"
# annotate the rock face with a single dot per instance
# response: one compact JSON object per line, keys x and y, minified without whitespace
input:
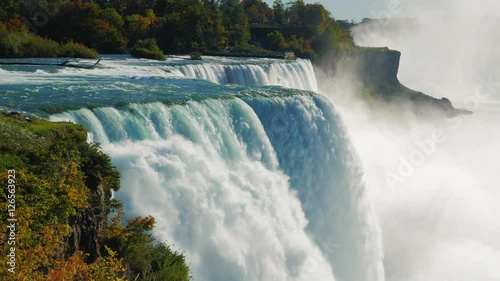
{"x":377,"y":69}
{"x":86,"y":227}
{"x":379,"y":66}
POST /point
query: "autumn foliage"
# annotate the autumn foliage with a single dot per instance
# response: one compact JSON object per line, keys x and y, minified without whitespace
{"x":180,"y":26}
{"x":63,"y":192}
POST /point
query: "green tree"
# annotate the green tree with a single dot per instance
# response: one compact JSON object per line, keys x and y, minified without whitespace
{"x":227,"y":6}
{"x":296,"y":12}
{"x":180,"y":26}
{"x":258,"y":12}
{"x":214,"y":35}
{"x":276,"y":41}
{"x":315,"y":15}
{"x":279,"y":12}
{"x":137,"y":27}
{"x":88,"y":24}
{"x":239,"y":32}
{"x":113,"y":18}
{"x":9,"y":10}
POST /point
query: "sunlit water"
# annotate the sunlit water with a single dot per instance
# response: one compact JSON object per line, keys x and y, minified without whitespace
{"x":246,"y":168}
{"x":439,"y":219}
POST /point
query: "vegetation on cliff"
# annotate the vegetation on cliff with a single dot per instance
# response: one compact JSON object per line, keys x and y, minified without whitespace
{"x":179,"y":26}
{"x":68,"y":226}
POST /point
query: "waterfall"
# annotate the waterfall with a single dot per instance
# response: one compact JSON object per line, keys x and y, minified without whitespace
{"x":252,"y":188}
{"x":296,"y":74}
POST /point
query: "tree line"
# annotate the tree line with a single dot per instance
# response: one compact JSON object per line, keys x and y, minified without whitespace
{"x":179,"y":26}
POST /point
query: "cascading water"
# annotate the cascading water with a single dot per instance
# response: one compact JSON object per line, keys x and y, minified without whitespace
{"x":297,"y":75}
{"x":217,"y":174}
{"x":253,"y":183}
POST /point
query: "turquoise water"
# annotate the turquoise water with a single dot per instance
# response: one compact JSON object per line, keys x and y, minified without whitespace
{"x":119,"y":80}
{"x":245,"y":167}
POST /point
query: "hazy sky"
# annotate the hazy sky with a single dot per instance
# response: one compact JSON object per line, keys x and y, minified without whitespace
{"x":348,"y":9}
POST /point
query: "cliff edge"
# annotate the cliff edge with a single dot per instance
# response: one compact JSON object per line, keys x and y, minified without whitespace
{"x":377,"y":69}
{"x":64,"y":223}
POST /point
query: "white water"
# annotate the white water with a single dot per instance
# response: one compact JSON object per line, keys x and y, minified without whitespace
{"x":440,"y":218}
{"x":270,"y":189}
{"x":297,"y":75}
{"x":251,"y":189}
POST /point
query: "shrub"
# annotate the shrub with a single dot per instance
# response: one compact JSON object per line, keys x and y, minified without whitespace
{"x":77,"y":50}
{"x":168,"y":264}
{"x":195,"y":56}
{"x":36,"y":46}
{"x":148,"y":49}
{"x":247,"y":48}
{"x":276,"y":41}
{"x":22,"y":44}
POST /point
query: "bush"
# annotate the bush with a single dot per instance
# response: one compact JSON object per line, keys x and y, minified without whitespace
{"x":22,"y":44}
{"x":247,"y":48}
{"x":8,"y":45}
{"x":195,"y":56}
{"x":143,"y":258}
{"x":168,"y":264}
{"x":77,"y":50}
{"x":148,"y":49}
{"x":35,"y":46}
{"x":276,"y":41}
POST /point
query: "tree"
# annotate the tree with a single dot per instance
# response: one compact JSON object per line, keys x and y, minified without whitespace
{"x":180,"y":26}
{"x":257,"y":11}
{"x":113,"y":18}
{"x":227,"y":6}
{"x":140,"y":7}
{"x":88,"y":24}
{"x":239,"y":32}
{"x":279,"y":12}
{"x":315,"y":15}
{"x":137,"y":27}
{"x":9,"y":10}
{"x":276,"y":41}
{"x":296,"y":11}
{"x":214,"y":35}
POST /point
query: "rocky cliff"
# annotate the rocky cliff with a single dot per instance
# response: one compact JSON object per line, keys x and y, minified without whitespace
{"x":61,"y":188}
{"x":377,"y":69}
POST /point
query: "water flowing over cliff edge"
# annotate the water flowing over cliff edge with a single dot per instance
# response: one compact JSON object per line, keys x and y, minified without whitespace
{"x":243,"y":165}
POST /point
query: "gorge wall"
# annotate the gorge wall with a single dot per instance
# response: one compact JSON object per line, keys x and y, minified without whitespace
{"x":376,"y":69}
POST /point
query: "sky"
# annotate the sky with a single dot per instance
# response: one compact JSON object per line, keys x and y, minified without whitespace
{"x":349,"y":9}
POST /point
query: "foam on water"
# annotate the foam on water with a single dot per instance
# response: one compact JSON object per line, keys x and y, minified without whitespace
{"x":253,"y":183}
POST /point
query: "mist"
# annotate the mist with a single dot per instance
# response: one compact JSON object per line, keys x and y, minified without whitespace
{"x":433,"y":183}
